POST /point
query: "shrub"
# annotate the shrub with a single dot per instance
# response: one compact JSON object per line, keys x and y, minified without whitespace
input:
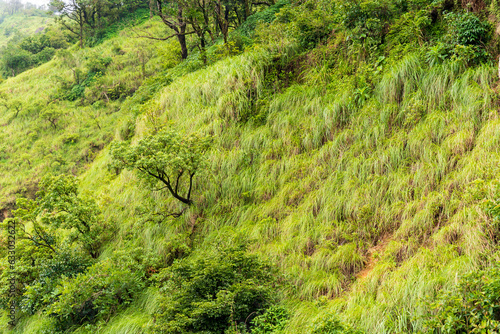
{"x":472,"y":306}
{"x":69,"y":138}
{"x":410,"y":28}
{"x":15,"y":60}
{"x":311,"y":23}
{"x":44,"y":56}
{"x":331,"y":325}
{"x":100,"y":292}
{"x":66,"y":264}
{"x":213,"y":294}
{"x":96,"y":64}
{"x":467,"y":29}
{"x":272,"y":320}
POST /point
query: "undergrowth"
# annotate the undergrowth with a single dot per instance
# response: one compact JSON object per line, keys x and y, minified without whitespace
{"x":361,"y":176}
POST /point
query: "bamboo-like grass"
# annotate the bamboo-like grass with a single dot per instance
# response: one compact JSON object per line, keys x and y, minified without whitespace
{"x":322,"y":186}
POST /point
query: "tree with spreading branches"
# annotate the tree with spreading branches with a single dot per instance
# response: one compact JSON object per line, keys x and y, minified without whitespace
{"x":72,"y":13}
{"x":166,"y":158}
{"x":60,"y":206}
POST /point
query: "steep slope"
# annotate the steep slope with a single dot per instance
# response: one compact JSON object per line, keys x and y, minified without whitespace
{"x":21,"y":24}
{"x":362,"y":178}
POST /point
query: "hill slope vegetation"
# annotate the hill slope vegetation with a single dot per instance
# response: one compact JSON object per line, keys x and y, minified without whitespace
{"x":325,"y":167}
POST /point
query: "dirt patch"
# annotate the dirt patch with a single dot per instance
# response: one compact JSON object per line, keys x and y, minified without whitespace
{"x":370,"y":264}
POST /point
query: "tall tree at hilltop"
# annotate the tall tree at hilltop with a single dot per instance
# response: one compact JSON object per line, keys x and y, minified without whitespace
{"x":173,"y":16}
{"x":13,"y":6}
{"x":75,"y":12}
{"x":91,"y":16}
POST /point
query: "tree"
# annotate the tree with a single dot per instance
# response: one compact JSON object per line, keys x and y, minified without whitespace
{"x":75,"y":12}
{"x":167,"y":158}
{"x":59,"y":205}
{"x":199,"y":19}
{"x":14,"y":105}
{"x":14,"y":6}
{"x":30,"y":227}
{"x":172,"y":15}
{"x":52,"y":115}
{"x":91,"y":16}
{"x":202,"y":17}
{"x":177,"y":15}
{"x":222,"y":12}
{"x":15,"y":60}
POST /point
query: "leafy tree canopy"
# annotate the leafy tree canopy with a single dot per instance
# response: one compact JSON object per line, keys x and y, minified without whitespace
{"x":166,"y":157}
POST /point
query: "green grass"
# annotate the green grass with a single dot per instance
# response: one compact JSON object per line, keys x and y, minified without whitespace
{"x":23,"y":24}
{"x":316,"y":181}
{"x":314,"y":193}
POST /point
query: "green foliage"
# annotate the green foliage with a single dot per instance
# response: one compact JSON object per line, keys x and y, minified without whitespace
{"x":465,"y":40}
{"x":127,"y":130}
{"x":52,"y":115}
{"x":265,"y":16}
{"x":365,"y":21}
{"x":343,"y":144}
{"x":59,"y":205}
{"x":15,"y":60}
{"x":410,"y":28}
{"x":166,"y":157}
{"x":77,"y":91}
{"x":35,"y":44}
{"x":97,"y":64}
{"x":310,"y":23}
{"x":96,"y":68}
{"x":22,"y":54}
{"x":64,"y":265}
{"x":98,"y":293}
{"x":128,"y":15}
{"x":94,"y":22}
{"x":213,"y":294}
{"x":472,"y":306}
{"x":467,"y":29}
{"x":273,"y":320}
{"x":331,"y":325}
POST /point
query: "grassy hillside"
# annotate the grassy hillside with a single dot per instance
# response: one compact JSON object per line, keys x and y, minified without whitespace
{"x":354,"y":151}
{"x":23,"y":25}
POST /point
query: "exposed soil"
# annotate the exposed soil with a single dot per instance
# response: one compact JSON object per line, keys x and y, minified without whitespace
{"x":370,"y":264}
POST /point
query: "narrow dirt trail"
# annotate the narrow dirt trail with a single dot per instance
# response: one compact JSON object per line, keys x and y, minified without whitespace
{"x":370,"y":264}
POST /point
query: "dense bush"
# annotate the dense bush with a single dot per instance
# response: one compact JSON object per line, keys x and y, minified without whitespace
{"x":15,"y":60}
{"x":472,"y":306}
{"x":64,"y":265}
{"x":467,"y":29}
{"x":331,"y":325}
{"x":214,"y":294}
{"x":273,"y":320}
{"x":60,"y":206}
{"x":310,"y":23}
{"x":24,"y":53}
{"x":95,"y":68}
{"x":366,"y":22}
{"x":101,"y":291}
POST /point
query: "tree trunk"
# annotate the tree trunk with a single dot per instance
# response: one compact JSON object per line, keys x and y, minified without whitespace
{"x":203,"y":49}
{"x":151,"y":8}
{"x":247,"y":9}
{"x":81,"y":31}
{"x":181,"y":37}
